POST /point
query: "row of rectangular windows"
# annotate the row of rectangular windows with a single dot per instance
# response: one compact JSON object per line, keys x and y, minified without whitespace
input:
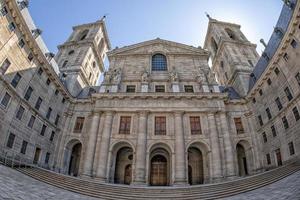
{"x":11,"y":141}
{"x":291,"y":151}
{"x":21,"y":110}
{"x":159,"y":88}
{"x":160,"y":125}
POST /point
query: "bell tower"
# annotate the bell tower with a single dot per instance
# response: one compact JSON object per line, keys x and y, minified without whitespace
{"x":233,"y":56}
{"x":81,"y":57}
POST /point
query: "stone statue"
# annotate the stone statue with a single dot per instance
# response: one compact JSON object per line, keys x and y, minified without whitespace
{"x":145,"y":76}
{"x":211,"y":77}
{"x":107,"y":77}
{"x":116,"y":77}
{"x":173,"y":76}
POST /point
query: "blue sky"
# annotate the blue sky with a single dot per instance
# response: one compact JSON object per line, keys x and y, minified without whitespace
{"x":133,"y":21}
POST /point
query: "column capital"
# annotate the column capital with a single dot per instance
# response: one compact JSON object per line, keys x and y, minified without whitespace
{"x":109,"y":112}
{"x":143,"y":112}
{"x":179,"y":112}
{"x":68,"y":114}
{"x":96,"y":113}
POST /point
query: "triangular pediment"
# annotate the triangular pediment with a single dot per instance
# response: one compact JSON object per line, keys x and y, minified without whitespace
{"x":158,"y":45}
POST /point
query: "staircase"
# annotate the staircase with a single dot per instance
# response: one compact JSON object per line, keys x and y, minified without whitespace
{"x":113,"y":192}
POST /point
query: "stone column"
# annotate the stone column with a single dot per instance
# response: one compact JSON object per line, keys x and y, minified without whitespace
{"x":62,"y":142}
{"x":104,"y":147}
{"x":227,"y":146}
{"x":215,"y":148}
{"x":91,"y":145}
{"x":141,"y":150}
{"x":180,"y":162}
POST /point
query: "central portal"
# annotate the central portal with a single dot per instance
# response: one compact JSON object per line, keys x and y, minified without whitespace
{"x":159,"y":171}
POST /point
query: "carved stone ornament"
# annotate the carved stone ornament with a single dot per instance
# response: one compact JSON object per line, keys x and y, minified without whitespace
{"x":174,"y":76}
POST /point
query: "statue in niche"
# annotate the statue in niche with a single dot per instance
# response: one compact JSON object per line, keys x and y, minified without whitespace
{"x":200,"y":78}
{"x":174,"y":76}
{"x":145,"y":76}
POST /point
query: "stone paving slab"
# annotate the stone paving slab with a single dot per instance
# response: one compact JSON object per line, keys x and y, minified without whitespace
{"x":17,"y":186}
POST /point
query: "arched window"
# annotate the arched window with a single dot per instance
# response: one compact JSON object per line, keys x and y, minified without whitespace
{"x":159,"y":62}
{"x":214,"y":45}
{"x":65,"y":63}
{"x":230,"y":33}
{"x":83,"y":34}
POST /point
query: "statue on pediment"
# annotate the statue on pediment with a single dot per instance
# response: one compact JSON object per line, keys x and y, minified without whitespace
{"x":211,"y":77}
{"x":107,"y":77}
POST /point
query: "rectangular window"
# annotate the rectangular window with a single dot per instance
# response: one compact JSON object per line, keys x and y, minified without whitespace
{"x":57,"y":119}
{"x":276,"y":70}
{"x":28,"y":93}
{"x":260,"y":120}
{"x":238,"y":125}
{"x":269,"y":113}
{"x":48,"y":81}
{"x":56,"y":92}
{"x":11,"y":26}
{"x":21,"y":43}
{"x":160,"y":126}
{"x":3,"y":11}
{"x":291,"y":148}
{"x":78,"y":124}
{"x":38,"y":103}
{"x":48,"y":115}
{"x":47,"y":158}
{"x":285,"y":122}
{"x":4,"y":66}
{"x":125,"y":122}
{"x":296,"y":113}
{"x":40,"y":71}
{"x":264,"y":135}
{"x":298,"y":78}
{"x":253,"y":100}
{"x":195,"y":124}
{"x":24,"y":147}
{"x":260,"y":92}
{"x":52,"y":136}
{"x":294,"y":44}
{"x":11,"y":140}
{"x":130,"y":88}
{"x":278,"y":103}
{"x":288,"y":93}
{"x":268,"y":159}
{"x":20,"y":113}
{"x":269,"y":82}
{"x":273,"y":129}
{"x":44,"y":127}
{"x":63,"y":100}
{"x":31,"y":121}
{"x":188,"y":88}
{"x":15,"y":81}
{"x":30,"y":57}
{"x":159,"y":88}
{"x":286,"y":57}
{"x":5,"y":100}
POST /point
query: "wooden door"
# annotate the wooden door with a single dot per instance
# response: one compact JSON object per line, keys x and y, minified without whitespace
{"x":128,"y":174}
{"x":37,"y":155}
{"x":159,"y":173}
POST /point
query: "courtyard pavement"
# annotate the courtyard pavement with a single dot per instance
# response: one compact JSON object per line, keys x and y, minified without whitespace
{"x":16,"y":186}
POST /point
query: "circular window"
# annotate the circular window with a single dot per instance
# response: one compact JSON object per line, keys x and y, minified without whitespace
{"x":71,"y":52}
{"x":130,"y":157}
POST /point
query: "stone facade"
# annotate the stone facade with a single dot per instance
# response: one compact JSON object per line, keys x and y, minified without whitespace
{"x":159,"y":117}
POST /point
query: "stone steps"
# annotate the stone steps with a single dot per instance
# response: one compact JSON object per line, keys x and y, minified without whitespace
{"x":209,"y":191}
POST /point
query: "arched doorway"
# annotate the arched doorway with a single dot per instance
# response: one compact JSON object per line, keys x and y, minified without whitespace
{"x":242,"y":160}
{"x":195,"y":166}
{"x":75,"y":160}
{"x":159,"y":168}
{"x":123,"y":166}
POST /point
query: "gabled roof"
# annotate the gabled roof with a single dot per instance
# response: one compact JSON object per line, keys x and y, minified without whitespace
{"x":127,"y":49}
